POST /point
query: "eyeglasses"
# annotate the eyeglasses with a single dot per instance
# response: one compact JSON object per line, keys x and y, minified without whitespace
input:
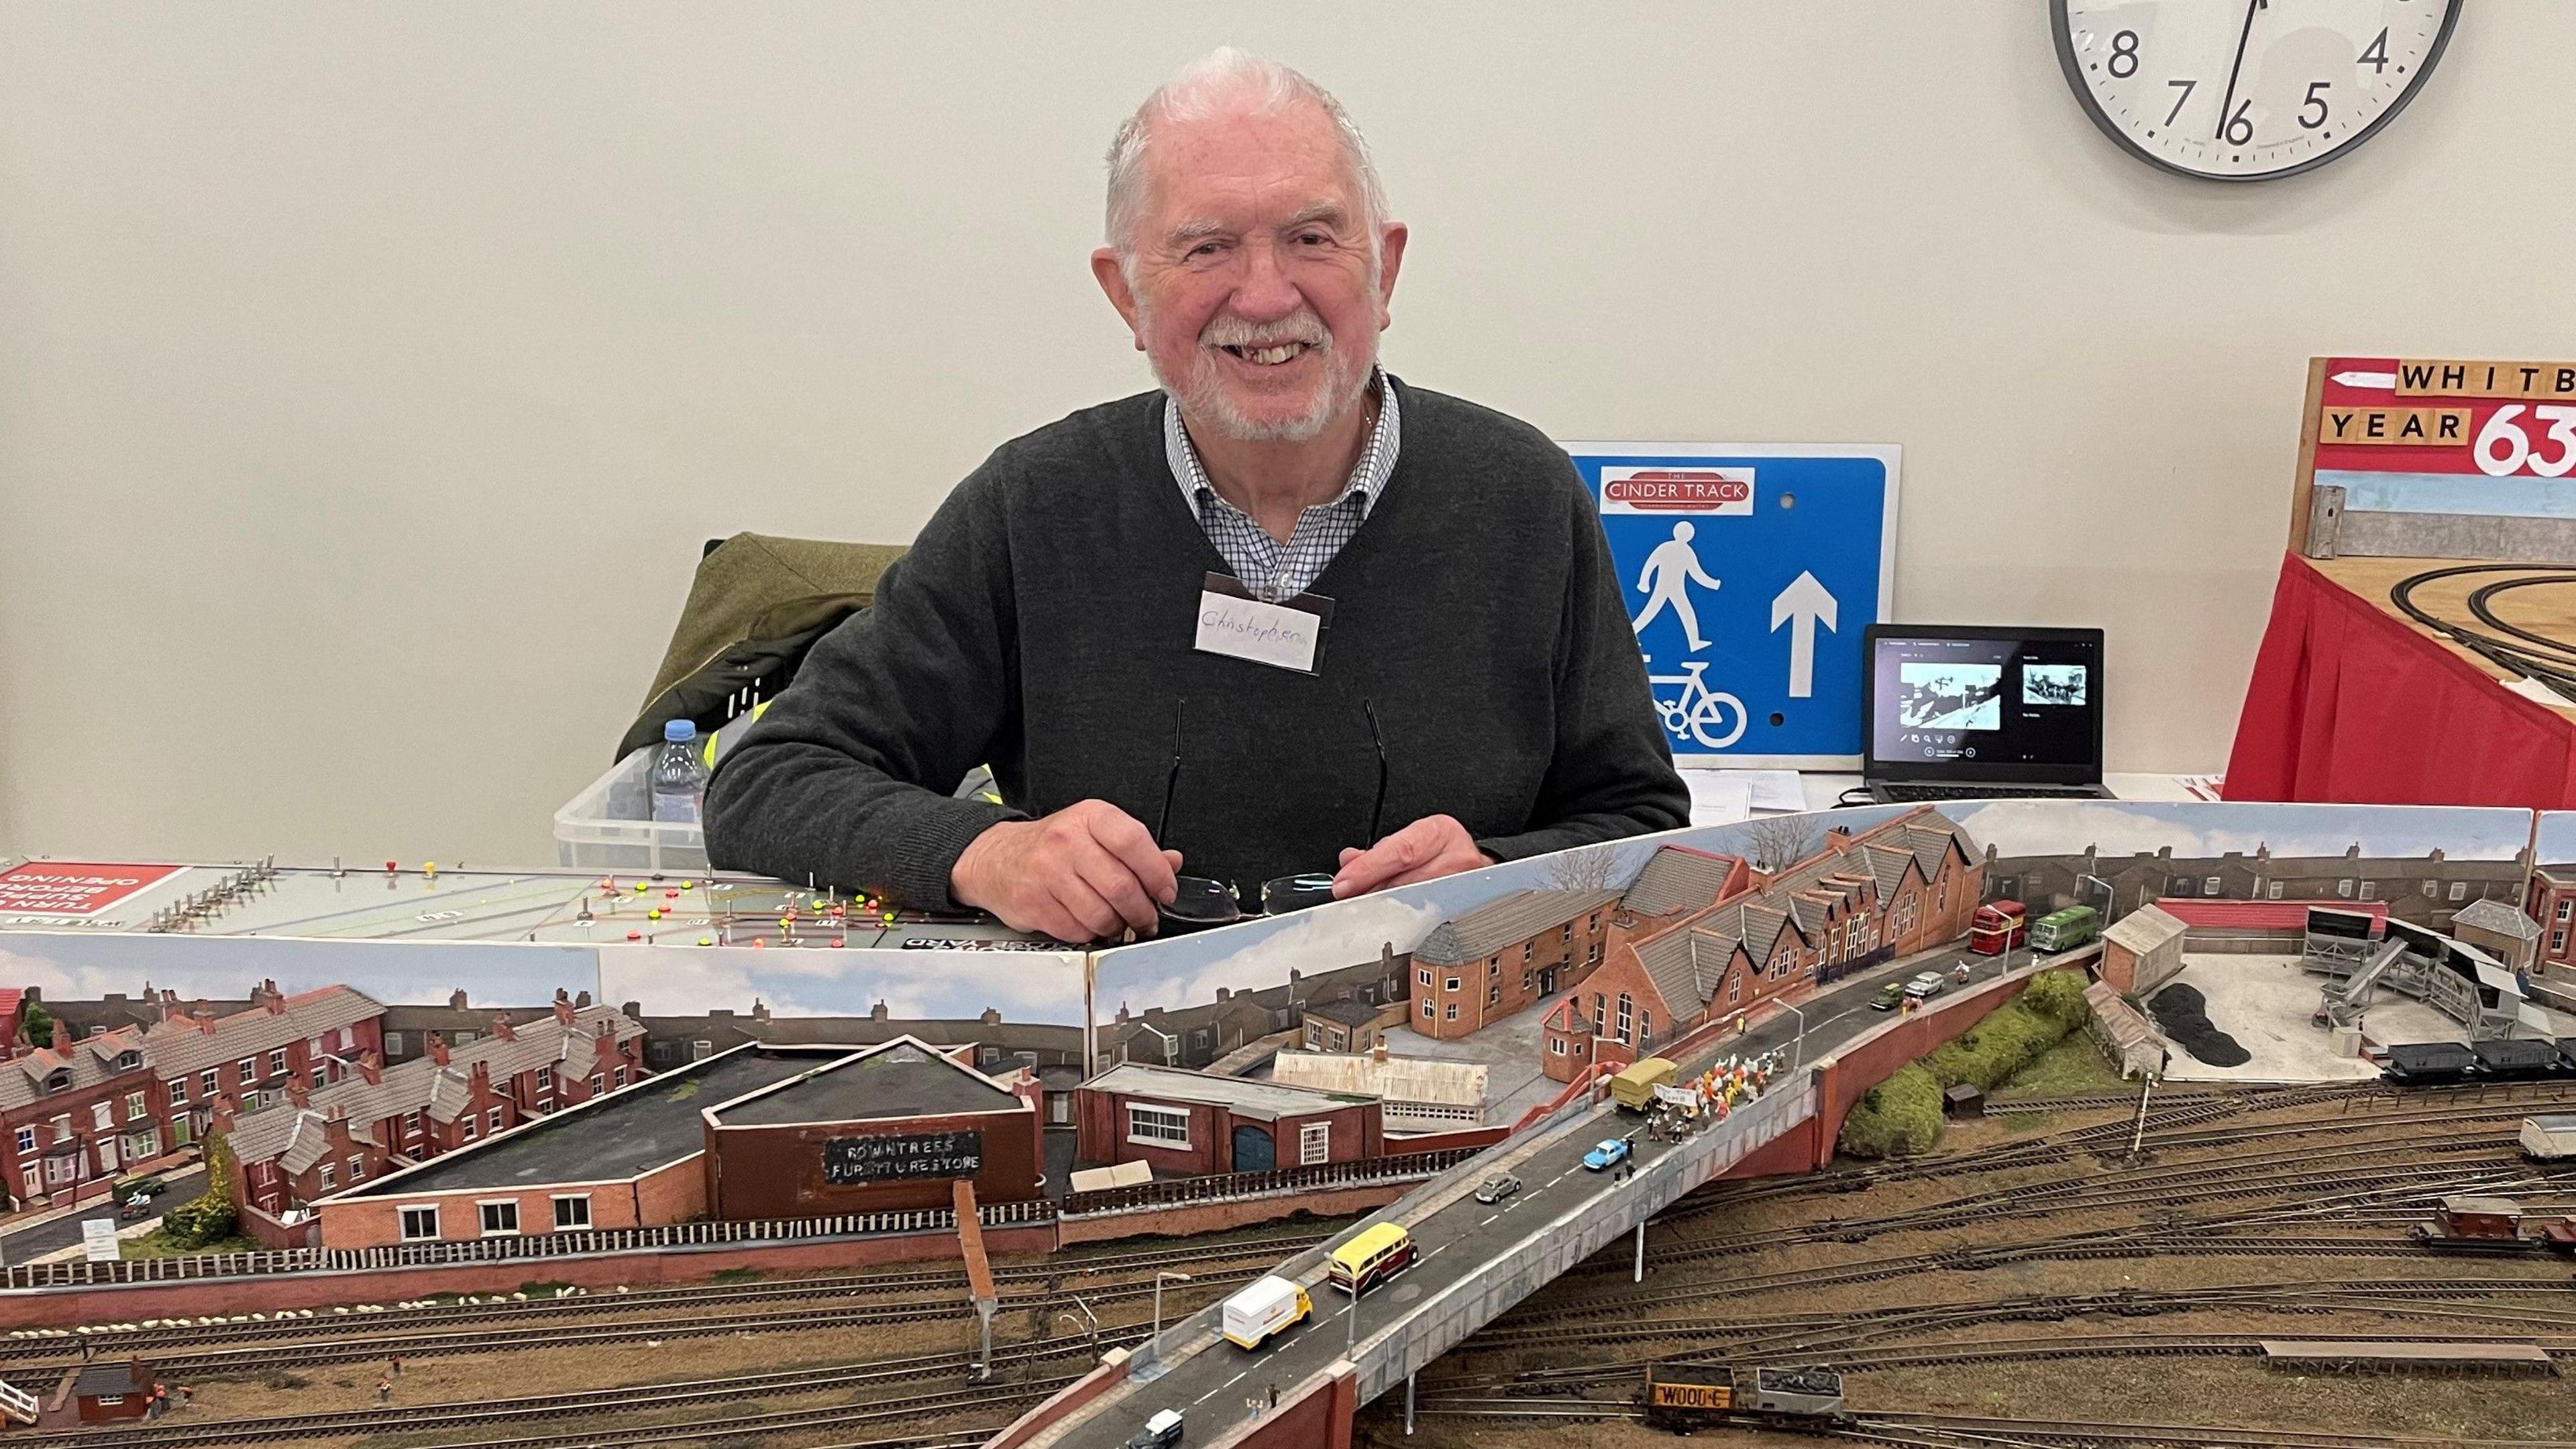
{"x":1201,"y":902}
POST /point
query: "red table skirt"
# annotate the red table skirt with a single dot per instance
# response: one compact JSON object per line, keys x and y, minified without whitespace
{"x":2348,"y":703}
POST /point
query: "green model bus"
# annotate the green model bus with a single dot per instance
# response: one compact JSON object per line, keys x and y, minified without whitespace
{"x":2065,"y":930}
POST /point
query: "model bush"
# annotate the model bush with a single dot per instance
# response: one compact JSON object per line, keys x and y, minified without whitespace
{"x":209,"y":1217}
{"x":1898,"y":1116}
{"x":2014,"y":1034}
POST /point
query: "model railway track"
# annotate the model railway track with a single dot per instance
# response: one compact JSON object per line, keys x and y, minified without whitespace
{"x":2166,"y":1132}
{"x":1814,"y":1333}
{"x":1955,"y":1431}
{"x":549,"y":1334}
{"x":798,"y":1421}
{"x":594,"y":1403}
{"x":2255,"y":1177}
{"x":47,"y":1350}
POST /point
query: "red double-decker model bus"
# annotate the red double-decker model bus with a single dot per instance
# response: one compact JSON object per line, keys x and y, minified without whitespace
{"x":1997,"y":927}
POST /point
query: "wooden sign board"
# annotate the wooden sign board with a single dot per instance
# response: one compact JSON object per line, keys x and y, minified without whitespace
{"x":2437,"y":458}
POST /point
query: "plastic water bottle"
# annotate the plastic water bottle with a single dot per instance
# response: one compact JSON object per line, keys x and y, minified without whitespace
{"x":679,"y":779}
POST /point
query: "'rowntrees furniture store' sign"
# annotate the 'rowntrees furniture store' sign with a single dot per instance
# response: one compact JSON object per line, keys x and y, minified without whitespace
{"x":920,"y":1154}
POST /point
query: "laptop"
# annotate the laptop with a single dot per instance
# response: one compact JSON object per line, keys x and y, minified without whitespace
{"x":1972,"y":712}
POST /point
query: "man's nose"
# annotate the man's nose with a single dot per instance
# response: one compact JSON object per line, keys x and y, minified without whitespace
{"x":1265,"y":292}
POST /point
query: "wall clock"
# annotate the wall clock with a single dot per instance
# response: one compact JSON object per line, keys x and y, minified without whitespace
{"x":2247,"y":90}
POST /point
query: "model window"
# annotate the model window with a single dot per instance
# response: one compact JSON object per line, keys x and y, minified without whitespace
{"x":178,"y":1089}
{"x":1645,"y":1024}
{"x":2343,"y":888}
{"x":1425,"y":974}
{"x":246,"y":1071}
{"x":277,"y":1062}
{"x":1569,"y":932}
{"x":467,"y":1121}
{"x":357,"y":1169}
{"x":1493,"y":967}
{"x":411,"y":1124}
{"x":621,"y":1076}
{"x":1529,"y":950}
{"x":102,"y":1116}
{"x":500,"y":1219}
{"x":393,"y":1042}
{"x":207,"y":1083}
{"x":1451,"y":984}
{"x":27,"y":1135}
{"x":1426,"y":1008}
{"x":329,"y":1181}
{"x":2557,"y":943}
{"x":2276,"y":890}
{"x":1734,"y":987}
{"x":2566,"y":907}
{"x":571,"y":1213}
{"x":1529,"y":980}
{"x":1452,"y":1012}
{"x":2459,"y":890}
{"x":492,"y":1119}
{"x":598,"y":1085}
{"x":1593,"y":956}
{"x":1625,"y":1009}
{"x":134,"y":1106}
{"x":1158,"y":1126}
{"x":545,"y":1079}
{"x":2370,"y":890}
{"x":1556,"y":1046}
{"x":1493,"y":995}
{"x":2209,"y":887}
{"x":419,"y":1223}
{"x":1314,"y":1143}
{"x":701,"y":1050}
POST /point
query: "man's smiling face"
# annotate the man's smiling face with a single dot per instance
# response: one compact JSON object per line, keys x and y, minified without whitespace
{"x":1253,"y":284}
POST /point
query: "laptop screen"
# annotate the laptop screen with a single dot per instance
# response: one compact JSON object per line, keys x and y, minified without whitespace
{"x":1969,"y":702}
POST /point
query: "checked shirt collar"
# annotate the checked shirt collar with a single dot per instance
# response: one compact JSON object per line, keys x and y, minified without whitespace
{"x":1270,"y":569}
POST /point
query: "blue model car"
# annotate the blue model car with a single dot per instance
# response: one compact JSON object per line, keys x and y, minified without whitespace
{"x":1611,"y":1152}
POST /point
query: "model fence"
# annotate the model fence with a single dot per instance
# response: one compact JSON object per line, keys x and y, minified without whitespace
{"x":588,"y":1242}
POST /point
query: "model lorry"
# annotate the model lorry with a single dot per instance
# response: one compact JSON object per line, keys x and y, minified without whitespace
{"x":1270,"y":1306}
{"x":1634,"y":1087}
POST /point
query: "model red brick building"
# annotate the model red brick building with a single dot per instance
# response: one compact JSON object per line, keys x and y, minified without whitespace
{"x":379,"y":1118}
{"x":249,"y":1059}
{"x":1195,"y":1123}
{"x":1678,"y":881}
{"x":73,"y":1113}
{"x":1495,"y":960}
{"x":1904,"y":886}
{"x":2552,"y":903}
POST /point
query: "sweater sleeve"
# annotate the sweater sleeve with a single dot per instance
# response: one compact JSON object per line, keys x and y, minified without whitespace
{"x":847,"y":776}
{"x":1612,"y":772}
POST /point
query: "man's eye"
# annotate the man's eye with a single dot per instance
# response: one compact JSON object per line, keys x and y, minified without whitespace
{"x":1204,"y":249}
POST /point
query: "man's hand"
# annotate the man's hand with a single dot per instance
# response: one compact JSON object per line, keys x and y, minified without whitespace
{"x":1429,"y":848}
{"x":1085,"y":873}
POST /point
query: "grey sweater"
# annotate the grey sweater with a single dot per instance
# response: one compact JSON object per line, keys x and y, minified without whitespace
{"x":1044,"y":622}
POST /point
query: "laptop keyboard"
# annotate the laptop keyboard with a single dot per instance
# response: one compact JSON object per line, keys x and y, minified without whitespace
{"x":1985,"y":792}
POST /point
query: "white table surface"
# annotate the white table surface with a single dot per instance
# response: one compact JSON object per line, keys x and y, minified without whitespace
{"x":1823,"y":789}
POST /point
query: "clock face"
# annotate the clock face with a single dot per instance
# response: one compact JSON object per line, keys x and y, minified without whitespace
{"x":2241,"y":90}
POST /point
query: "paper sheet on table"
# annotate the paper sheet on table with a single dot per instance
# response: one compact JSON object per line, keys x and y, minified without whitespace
{"x":1773,"y":789}
{"x":1718,"y":797}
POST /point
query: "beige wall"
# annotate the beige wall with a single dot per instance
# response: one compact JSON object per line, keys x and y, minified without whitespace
{"x":370,"y":374}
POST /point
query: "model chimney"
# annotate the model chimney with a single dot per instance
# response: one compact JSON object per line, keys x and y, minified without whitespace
{"x":372,"y":1067}
{"x":759,"y":1009}
{"x":501,"y":1028}
{"x":456,"y":999}
{"x":877,"y":1012}
{"x":563,"y":1009}
{"x":62,"y":1042}
{"x":438,"y":1047}
{"x":992,"y":1016}
{"x":297,"y":1094}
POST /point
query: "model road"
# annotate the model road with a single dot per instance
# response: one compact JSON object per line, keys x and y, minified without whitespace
{"x":1212,"y":1387}
{"x":64,"y":1232}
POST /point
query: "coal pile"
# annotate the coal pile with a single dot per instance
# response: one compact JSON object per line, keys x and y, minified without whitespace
{"x":2182,"y":1014}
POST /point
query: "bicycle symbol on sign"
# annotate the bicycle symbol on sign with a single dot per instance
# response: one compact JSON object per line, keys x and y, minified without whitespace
{"x":1698,"y":712}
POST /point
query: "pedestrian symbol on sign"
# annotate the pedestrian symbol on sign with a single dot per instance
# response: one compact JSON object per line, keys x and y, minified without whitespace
{"x":1665,"y":581}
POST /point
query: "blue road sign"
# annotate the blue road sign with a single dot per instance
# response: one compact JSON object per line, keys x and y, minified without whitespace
{"x":1750,"y":571}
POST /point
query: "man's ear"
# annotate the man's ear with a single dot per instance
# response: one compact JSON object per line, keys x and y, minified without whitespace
{"x":1113,"y":280}
{"x":1390,"y":251}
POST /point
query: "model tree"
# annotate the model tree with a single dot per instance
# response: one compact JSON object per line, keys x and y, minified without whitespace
{"x":210,"y":1217}
{"x":1781,"y":841}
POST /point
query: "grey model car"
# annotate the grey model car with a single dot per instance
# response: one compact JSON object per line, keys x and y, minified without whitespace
{"x":1497,"y":1187}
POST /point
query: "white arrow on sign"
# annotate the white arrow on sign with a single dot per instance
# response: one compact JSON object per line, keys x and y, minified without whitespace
{"x":2384,"y":381}
{"x":1802,"y":605}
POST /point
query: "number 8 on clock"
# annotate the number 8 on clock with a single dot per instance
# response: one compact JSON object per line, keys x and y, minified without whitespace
{"x":2247,"y":90}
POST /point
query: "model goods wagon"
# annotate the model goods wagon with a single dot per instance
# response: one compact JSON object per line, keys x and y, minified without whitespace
{"x":2428,"y":1063}
{"x":2519,"y":1060}
{"x":2065,"y":930}
{"x":1685,"y":1395}
{"x":2550,"y":1138}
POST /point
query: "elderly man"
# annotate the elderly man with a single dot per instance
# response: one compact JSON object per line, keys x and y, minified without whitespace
{"x":1280,"y":606}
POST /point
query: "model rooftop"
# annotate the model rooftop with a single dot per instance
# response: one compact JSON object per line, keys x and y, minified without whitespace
{"x":622,"y":1135}
{"x":1258,"y":1101}
{"x":905,"y":1077}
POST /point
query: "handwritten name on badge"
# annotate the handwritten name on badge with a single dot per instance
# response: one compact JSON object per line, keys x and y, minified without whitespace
{"x":1284,"y":635}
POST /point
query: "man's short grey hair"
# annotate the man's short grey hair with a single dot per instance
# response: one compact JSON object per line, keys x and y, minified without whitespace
{"x":1226,"y":76}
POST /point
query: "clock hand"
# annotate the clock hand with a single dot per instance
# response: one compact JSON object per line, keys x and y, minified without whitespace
{"x":2228,"y":105}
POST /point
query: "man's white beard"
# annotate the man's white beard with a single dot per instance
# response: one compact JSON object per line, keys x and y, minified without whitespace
{"x":1204,"y":401}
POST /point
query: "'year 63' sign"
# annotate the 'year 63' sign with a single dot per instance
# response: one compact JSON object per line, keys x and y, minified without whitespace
{"x":1749,"y":571}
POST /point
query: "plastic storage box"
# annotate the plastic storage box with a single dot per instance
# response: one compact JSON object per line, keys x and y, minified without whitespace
{"x":609,"y":826}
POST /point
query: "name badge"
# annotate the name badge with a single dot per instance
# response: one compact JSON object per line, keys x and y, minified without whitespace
{"x":1285,"y":635}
